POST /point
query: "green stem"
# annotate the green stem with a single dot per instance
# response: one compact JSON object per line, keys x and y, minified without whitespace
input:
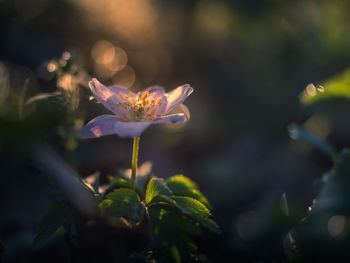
{"x":135,"y":152}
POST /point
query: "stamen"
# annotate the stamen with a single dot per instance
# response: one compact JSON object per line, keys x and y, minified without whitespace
{"x":139,"y":108}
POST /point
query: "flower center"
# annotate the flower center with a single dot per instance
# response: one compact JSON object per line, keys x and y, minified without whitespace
{"x":143,"y":107}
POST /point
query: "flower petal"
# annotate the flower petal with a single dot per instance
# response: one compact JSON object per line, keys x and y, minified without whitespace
{"x":110,"y":96}
{"x":135,"y":128}
{"x":130,"y":129}
{"x":158,"y":90}
{"x":157,"y":93}
{"x":173,"y":118}
{"x":177,"y":96}
{"x":100,"y":126}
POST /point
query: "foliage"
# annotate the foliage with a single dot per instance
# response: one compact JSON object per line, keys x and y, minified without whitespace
{"x":173,"y":217}
{"x":336,"y":87}
{"x":323,"y":234}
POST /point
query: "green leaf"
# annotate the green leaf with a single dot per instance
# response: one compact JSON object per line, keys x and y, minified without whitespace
{"x":165,"y":218}
{"x":143,"y":175}
{"x":180,"y":183}
{"x":58,"y":215}
{"x":122,"y":202}
{"x":184,"y":186}
{"x":338,"y":86}
{"x":176,"y":254}
{"x":163,"y":199}
{"x":197,"y":211}
{"x":156,"y":186}
{"x":296,"y":132}
{"x":120,"y":182}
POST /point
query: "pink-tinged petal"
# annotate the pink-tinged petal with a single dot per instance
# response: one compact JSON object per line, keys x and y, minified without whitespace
{"x":177,"y":96}
{"x":173,"y":118}
{"x":134,"y":129}
{"x":110,"y":96}
{"x":100,"y":126}
{"x":157,"y":90}
{"x":130,"y":129}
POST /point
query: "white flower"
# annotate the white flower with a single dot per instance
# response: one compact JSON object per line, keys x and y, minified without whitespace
{"x":133,"y":113}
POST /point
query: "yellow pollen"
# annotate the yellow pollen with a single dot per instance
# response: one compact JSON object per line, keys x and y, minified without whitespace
{"x":139,"y":108}
{"x":159,"y":101}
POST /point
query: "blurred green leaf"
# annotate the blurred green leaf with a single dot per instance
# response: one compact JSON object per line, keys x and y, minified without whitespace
{"x":156,"y":187}
{"x":184,"y":186}
{"x":120,"y":182}
{"x":122,"y":202}
{"x":164,"y":218}
{"x":297,"y":132}
{"x":176,"y":254}
{"x":338,"y":86}
{"x":58,"y":215}
{"x":197,"y":211}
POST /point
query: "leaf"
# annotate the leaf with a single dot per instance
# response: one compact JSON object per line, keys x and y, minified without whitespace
{"x":165,"y":218}
{"x":184,"y":186}
{"x":197,"y":211}
{"x":156,"y":186}
{"x":58,"y":215}
{"x":296,"y":132}
{"x":162,"y":199}
{"x":338,"y":86}
{"x":180,"y":183}
{"x":143,"y":174}
{"x":122,"y":202}
{"x":120,"y":182}
{"x":93,"y":181}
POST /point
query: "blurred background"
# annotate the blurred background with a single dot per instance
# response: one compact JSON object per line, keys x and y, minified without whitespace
{"x":249,"y":63}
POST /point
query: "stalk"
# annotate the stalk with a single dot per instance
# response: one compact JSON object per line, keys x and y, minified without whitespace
{"x":135,"y":153}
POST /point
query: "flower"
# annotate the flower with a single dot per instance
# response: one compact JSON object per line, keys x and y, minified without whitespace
{"x":133,"y":113}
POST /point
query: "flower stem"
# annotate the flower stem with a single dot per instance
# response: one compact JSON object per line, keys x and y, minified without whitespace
{"x":135,"y":152}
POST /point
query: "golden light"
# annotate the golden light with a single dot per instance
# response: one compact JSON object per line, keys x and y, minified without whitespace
{"x":311,"y":90}
{"x":66,"y":82}
{"x":132,"y":19}
{"x":103,"y":52}
{"x":119,"y":61}
{"x":51,"y":66}
{"x":125,"y":77}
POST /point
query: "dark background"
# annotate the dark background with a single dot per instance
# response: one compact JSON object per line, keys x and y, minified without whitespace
{"x":248,"y":62}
